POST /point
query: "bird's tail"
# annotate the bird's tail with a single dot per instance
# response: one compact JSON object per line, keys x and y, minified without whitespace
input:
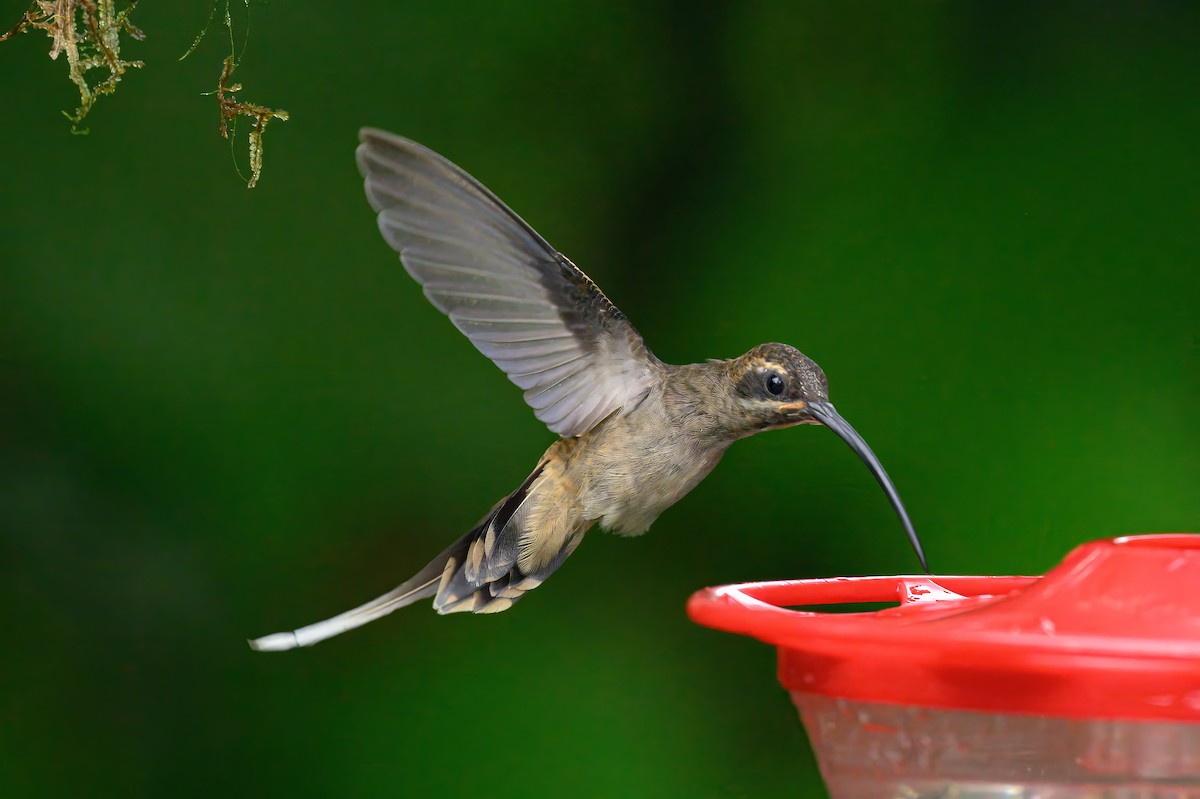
{"x":421,"y":585}
{"x":477,"y":573}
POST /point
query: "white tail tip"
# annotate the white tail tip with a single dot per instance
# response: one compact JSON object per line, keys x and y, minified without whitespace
{"x":276,"y":642}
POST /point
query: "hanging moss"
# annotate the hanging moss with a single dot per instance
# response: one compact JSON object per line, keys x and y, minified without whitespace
{"x":89,"y":33}
{"x":231,"y":109}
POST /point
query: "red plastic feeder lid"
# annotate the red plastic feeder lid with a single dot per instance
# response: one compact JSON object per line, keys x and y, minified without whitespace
{"x":1112,"y":632}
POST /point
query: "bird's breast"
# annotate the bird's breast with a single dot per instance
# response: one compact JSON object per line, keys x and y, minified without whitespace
{"x":633,"y":468}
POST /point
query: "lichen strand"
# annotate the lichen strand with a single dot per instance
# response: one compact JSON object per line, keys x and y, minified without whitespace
{"x":89,"y":32}
{"x":231,"y":109}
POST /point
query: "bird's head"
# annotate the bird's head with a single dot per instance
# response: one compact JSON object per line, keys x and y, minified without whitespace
{"x":776,"y":386}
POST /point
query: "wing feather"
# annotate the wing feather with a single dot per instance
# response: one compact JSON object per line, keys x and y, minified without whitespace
{"x":521,"y":303}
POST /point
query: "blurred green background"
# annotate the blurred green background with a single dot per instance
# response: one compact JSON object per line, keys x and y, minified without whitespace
{"x":227,"y":412}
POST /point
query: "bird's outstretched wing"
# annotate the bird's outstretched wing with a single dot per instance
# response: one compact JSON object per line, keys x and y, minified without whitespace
{"x":521,"y":303}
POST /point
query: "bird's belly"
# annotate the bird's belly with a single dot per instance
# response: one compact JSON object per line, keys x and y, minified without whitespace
{"x":628,"y":500}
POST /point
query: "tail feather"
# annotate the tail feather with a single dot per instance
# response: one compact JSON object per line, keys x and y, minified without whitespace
{"x":421,"y":585}
{"x":494,"y":592}
{"x":472,"y":583}
{"x":476,"y":573}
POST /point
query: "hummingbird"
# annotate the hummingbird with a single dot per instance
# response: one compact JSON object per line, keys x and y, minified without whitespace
{"x":635,"y":434}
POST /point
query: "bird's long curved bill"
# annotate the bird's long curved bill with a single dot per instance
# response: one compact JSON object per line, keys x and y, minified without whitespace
{"x":828,"y":416}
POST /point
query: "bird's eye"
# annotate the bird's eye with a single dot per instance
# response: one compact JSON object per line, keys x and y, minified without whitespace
{"x":775,"y":384}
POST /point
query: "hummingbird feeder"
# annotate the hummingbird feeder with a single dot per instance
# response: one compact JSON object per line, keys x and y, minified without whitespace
{"x":1081,"y":683}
